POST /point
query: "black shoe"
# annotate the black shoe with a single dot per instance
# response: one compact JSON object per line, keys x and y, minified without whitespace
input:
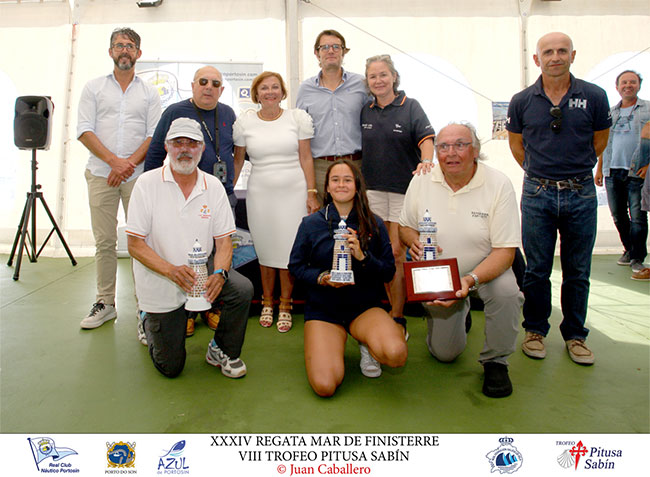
{"x":497,"y":382}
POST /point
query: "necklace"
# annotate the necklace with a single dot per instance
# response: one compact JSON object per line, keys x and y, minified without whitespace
{"x":259,"y":115}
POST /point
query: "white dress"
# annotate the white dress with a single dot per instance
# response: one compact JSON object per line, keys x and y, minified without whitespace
{"x":277,"y":191}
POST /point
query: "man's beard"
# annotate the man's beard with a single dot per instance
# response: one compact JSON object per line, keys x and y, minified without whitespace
{"x":124,"y":66}
{"x":184,"y":167}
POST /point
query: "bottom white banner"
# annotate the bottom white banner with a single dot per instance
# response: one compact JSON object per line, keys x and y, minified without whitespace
{"x":288,"y":455}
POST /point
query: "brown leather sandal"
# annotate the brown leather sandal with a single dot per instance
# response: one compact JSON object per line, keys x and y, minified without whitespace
{"x":285,"y":322}
{"x":266,"y":317}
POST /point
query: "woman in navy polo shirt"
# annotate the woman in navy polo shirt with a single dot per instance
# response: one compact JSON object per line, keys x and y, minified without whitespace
{"x":397,"y":142}
{"x":332,"y":310}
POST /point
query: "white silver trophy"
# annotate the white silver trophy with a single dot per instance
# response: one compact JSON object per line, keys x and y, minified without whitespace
{"x":342,"y":257}
{"x":428,"y":237}
{"x":198,"y":261}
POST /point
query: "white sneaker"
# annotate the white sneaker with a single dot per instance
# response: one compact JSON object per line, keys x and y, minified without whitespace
{"x":142,"y":337}
{"x":370,"y":367}
{"x":99,"y":314}
{"x":232,"y":368}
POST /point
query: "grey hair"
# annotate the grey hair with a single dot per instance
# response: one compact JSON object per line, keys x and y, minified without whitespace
{"x":476,"y":142}
{"x":127,"y":32}
{"x":391,"y":67}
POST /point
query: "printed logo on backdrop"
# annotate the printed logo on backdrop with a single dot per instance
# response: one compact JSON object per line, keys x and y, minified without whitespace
{"x":173,"y":461}
{"x":505,"y":459}
{"x":577,"y":455}
{"x":244,"y":93}
{"x":44,"y":448}
{"x":120,"y":457}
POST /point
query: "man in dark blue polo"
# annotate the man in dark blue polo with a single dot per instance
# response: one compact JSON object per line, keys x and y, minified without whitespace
{"x":557,"y":128}
{"x":216,"y":120}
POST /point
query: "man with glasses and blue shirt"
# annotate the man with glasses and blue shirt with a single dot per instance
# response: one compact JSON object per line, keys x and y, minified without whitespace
{"x":216,"y":120}
{"x":556,"y":129}
{"x":333,"y":98}
{"x":624,"y":167}
{"x":117,"y":117}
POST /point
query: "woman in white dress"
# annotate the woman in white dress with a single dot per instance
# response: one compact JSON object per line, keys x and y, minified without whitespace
{"x":281,"y":186}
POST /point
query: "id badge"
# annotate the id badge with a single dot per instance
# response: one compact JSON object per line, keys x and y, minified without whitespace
{"x":220,"y":171}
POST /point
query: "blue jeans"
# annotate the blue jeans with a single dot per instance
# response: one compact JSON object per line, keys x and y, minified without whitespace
{"x":623,"y":194}
{"x":547,"y":210}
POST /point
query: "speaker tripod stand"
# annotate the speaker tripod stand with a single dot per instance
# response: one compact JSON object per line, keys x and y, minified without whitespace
{"x":22,"y":236}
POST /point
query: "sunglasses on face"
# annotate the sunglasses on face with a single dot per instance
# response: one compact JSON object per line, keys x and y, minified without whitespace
{"x":204,"y":81}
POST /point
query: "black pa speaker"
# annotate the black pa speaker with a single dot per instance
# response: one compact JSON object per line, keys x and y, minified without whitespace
{"x":33,"y":122}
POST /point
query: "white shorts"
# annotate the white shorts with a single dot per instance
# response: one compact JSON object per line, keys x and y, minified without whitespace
{"x":387,"y":205}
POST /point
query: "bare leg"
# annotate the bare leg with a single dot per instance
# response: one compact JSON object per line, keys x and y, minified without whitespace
{"x":324,"y":349}
{"x":397,"y":292}
{"x":268,"y":280}
{"x":268,"y":286}
{"x":384,"y":337}
{"x":286,"y":287}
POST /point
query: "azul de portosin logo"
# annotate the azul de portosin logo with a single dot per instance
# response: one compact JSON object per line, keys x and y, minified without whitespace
{"x":505,"y":459}
{"x":43,"y":448}
{"x":173,"y":461}
{"x":120,"y":454}
{"x":591,"y":457}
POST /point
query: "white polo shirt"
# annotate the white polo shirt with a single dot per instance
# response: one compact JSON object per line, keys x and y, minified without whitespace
{"x":169,"y":224}
{"x":471,"y":221}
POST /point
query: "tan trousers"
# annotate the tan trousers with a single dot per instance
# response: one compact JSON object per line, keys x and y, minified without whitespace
{"x":104,"y":202}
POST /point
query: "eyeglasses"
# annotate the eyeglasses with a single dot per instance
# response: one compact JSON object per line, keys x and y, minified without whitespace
{"x":178,"y":142}
{"x":458,"y":146}
{"x":556,"y":124}
{"x":327,"y":47}
{"x":622,"y":124}
{"x":204,"y":81}
{"x":122,"y":46}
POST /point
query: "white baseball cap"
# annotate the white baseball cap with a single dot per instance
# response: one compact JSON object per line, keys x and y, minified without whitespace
{"x":185,"y":127}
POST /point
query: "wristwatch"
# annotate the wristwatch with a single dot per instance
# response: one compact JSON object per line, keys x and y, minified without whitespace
{"x":475,"y":286}
{"x":223,"y":272}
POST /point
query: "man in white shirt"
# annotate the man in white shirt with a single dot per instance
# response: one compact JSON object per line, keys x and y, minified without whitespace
{"x":171,"y":208}
{"x":117,"y":117}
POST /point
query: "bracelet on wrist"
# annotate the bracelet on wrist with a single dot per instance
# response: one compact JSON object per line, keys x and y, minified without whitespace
{"x":315,"y":191}
{"x":427,"y":161}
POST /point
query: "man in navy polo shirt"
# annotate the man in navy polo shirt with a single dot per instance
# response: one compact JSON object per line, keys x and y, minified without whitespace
{"x":557,"y":128}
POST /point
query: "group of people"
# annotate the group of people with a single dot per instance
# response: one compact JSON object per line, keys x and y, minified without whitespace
{"x":355,"y":149}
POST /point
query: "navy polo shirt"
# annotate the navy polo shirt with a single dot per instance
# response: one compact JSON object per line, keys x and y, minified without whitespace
{"x":390,"y":139}
{"x":570,"y":152}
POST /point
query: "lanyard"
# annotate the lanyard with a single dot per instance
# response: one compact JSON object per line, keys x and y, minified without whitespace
{"x":214,"y":140}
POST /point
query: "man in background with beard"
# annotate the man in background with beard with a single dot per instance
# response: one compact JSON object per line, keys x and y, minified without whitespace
{"x":118,"y":114}
{"x":171,"y":208}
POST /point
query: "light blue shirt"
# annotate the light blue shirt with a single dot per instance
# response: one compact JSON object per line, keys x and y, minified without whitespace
{"x":336,"y":114}
{"x":640,"y":115}
{"x":623,"y":143}
{"x":121,"y":120}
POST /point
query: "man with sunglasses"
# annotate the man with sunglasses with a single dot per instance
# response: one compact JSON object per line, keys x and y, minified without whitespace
{"x":333,"y":98}
{"x":117,"y":116}
{"x":216,"y":120}
{"x":624,"y":166}
{"x":194,"y":205}
{"x":557,"y":128}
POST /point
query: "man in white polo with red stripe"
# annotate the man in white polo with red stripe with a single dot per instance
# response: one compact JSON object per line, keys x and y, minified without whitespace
{"x":171,"y":207}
